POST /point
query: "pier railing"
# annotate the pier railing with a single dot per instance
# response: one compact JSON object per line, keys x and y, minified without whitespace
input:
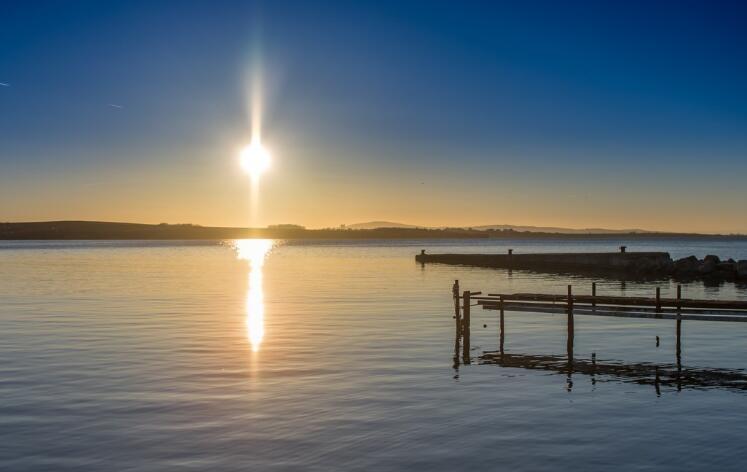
{"x":628,"y":307}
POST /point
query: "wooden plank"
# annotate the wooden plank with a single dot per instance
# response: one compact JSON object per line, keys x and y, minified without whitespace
{"x":551,"y":308}
{"x":634,"y":301}
{"x":559,"y":308}
{"x":611,"y":311}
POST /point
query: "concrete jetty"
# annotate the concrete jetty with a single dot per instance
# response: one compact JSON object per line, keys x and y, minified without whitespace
{"x":654,"y":263}
{"x":636,"y":264}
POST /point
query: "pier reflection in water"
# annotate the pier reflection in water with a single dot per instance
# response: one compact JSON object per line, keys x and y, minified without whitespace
{"x":646,"y":373}
{"x":254,"y":251}
{"x":658,"y":375}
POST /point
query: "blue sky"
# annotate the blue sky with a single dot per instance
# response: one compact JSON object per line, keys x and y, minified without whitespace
{"x":617,"y":114}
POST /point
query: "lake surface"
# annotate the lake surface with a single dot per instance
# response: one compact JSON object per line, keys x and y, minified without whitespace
{"x":282,"y":355}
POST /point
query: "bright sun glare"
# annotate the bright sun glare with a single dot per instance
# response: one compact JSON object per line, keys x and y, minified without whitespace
{"x":254,"y":251}
{"x":255,"y":159}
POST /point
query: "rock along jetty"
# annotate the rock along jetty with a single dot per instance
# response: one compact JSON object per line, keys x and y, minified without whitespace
{"x":638,"y":264}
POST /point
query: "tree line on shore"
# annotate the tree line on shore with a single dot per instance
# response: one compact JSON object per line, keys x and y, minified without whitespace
{"x":107,"y":230}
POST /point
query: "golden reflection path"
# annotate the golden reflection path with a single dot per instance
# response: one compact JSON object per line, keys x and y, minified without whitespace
{"x":254,"y":251}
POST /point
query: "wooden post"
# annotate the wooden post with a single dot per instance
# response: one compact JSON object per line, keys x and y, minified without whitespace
{"x":465,"y":327}
{"x":501,"y":325}
{"x":457,"y":321}
{"x":679,"y":328}
{"x":593,"y":294}
{"x":658,"y":300}
{"x":457,"y":315}
{"x":570,"y":324}
{"x":569,"y":344}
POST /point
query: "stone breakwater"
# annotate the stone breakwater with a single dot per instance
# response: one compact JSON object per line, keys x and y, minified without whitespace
{"x":639,"y":264}
{"x":711,"y":267}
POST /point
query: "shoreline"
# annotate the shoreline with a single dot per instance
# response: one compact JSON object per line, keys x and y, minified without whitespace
{"x":91,"y":230}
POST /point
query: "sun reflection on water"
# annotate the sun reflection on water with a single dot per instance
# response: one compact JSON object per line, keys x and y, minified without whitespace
{"x":254,"y":251}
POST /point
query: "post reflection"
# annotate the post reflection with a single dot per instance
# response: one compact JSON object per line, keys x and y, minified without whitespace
{"x":254,"y":251}
{"x":673,"y":376}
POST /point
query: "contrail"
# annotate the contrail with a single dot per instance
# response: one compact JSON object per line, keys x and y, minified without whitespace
{"x":115,"y":106}
{"x":4,"y":84}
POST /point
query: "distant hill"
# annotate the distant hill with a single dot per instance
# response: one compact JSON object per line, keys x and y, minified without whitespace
{"x":379,"y":224}
{"x":552,"y":229}
{"x":529,"y":229}
{"x":60,"y":230}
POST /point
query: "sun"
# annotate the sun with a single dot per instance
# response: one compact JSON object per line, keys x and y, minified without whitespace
{"x":255,"y":159}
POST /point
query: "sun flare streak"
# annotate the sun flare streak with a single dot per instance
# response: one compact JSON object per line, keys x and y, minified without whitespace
{"x":254,"y":251}
{"x":254,"y":158}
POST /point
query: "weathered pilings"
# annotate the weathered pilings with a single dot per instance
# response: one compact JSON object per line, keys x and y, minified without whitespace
{"x":457,"y":314}
{"x":502,"y":331}
{"x":466,"y":326}
{"x":679,"y":328}
{"x":569,"y":344}
{"x":676,"y":309}
{"x":457,"y":318}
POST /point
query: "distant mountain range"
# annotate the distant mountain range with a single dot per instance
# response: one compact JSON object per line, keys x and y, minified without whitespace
{"x":531,"y":229}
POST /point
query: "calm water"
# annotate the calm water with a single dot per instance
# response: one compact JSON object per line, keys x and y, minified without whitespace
{"x":262,"y":355}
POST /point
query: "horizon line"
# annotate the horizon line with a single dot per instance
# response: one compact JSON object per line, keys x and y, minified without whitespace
{"x":403,"y":226}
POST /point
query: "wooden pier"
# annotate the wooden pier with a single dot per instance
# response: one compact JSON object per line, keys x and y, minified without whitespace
{"x":572,"y":304}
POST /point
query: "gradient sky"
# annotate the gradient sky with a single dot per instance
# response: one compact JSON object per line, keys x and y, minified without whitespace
{"x":579,"y":114}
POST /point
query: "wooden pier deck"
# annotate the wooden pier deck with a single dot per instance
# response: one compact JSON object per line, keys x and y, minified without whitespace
{"x":678,"y":309}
